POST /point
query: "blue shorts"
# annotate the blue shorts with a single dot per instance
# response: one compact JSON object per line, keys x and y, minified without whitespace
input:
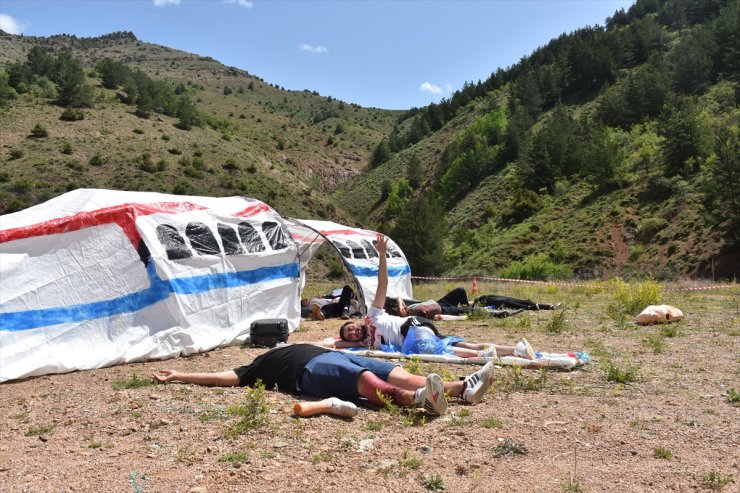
{"x":335,"y":374}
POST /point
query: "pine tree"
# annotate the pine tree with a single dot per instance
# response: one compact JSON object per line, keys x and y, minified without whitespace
{"x":420,"y":230}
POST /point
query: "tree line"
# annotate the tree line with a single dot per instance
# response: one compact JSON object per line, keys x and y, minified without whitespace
{"x":63,"y":78}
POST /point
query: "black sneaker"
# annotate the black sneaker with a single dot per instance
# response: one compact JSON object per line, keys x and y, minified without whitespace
{"x":345,"y":313}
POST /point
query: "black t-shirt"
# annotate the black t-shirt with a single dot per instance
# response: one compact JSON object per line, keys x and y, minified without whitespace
{"x":281,"y":366}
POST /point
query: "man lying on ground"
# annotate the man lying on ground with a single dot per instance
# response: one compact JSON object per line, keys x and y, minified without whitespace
{"x":330,"y":306}
{"x":496,"y":302}
{"x":453,"y":304}
{"x":318,"y":372}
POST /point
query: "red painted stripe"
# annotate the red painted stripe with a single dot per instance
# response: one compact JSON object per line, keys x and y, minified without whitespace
{"x":253,"y":210}
{"x":339,"y":232}
{"x":124,"y":215}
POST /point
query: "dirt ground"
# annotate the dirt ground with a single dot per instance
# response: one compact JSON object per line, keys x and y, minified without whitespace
{"x":676,"y":427}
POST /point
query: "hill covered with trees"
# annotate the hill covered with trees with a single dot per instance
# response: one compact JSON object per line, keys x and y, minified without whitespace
{"x":612,"y":150}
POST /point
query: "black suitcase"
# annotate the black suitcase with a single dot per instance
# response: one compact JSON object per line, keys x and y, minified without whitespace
{"x":268,"y":332}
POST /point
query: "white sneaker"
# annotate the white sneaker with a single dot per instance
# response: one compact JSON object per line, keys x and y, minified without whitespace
{"x":489,"y":353}
{"x":433,"y":395}
{"x":478,"y":383}
{"x":343,"y":408}
{"x":524,"y":349}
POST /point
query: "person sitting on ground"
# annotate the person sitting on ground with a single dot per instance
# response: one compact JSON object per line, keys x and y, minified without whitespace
{"x":382,"y":329}
{"x":497,"y":302}
{"x":318,"y":372}
{"x":330,"y":306}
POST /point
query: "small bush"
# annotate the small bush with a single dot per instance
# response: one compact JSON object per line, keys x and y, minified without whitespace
{"x":252,"y":413}
{"x":631,"y":299}
{"x":134,"y":382}
{"x":97,"y":160}
{"x":617,"y":375}
{"x":649,"y":227}
{"x":433,"y":483}
{"x":174,"y":151}
{"x":230,"y":165}
{"x":733,"y":397}
{"x":537,"y":267}
{"x":662,"y":453}
{"x":72,"y":115}
{"x":235,"y":457}
{"x":557,"y":324}
{"x":67,"y":148}
{"x":509,"y":447}
{"x":35,"y":431}
{"x":251,"y":169}
{"x":39,"y":131}
{"x":716,"y":481}
{"x":16,"y":154}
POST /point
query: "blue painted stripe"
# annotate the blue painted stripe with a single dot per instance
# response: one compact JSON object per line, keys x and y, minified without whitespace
{"x":156,"y":292}
{"x":396,"y":271}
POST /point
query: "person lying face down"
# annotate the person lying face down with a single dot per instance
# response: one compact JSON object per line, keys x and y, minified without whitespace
{"x":307,"y":369}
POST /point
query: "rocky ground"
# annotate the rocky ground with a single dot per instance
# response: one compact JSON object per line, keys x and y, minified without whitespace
{"x":671,"y":425}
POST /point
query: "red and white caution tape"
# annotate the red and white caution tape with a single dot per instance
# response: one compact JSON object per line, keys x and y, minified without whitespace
{"x":564,"y":284}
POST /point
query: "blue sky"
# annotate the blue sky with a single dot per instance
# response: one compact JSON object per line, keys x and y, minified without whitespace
{"x":382,"y":53}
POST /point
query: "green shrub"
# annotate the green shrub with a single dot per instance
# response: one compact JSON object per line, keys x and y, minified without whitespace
{"x":618,"y":375}
{"x":134,"y":382}
{"x":252,"y":413}
{"x":22,"y":187}
{"x":39,"y":131}
{"x":230,"y":165}
{"x":97,"y":160}
{"x":649,"y":227}
{"x":716,"y":481}
{"x":631,"y":299}
{"x":16,"y":154}
{"x":537,"y":267}
{"x":72,"y":115}
{"x":67,"y":148}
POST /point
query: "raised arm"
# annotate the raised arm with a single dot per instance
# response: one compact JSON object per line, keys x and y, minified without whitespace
{"x":382,"y":246}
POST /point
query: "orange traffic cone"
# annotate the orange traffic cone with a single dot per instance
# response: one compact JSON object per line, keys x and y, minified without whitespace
{"x":475,"y":285}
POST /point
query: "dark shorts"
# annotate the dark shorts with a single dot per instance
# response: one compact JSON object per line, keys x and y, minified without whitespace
{"x":335,"y":374}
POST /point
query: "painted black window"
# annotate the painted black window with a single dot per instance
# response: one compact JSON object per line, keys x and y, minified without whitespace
{"x":370,"y":249}
{"x":229,"y":239}
{"x":174,"y":244}
{"x":250,"y":238}
{"x":202,"y":239}
{"x":346,"y":252}
{"x":357,"y":250}
{"x":274,"y":234}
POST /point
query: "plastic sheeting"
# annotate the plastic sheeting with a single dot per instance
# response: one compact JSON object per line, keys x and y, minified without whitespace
{"x":94,"y":278}
{"x":359,"y":255}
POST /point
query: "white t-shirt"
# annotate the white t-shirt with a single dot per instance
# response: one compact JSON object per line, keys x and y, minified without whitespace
{"x":382,"y":325}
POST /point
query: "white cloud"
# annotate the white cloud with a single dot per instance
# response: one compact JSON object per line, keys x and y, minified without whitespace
{"x":429,"y":87}
{"x":242,"y":3}
{"x":312,"y":49}
{"x":164,"y":3}
{"x":10,"y":25}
